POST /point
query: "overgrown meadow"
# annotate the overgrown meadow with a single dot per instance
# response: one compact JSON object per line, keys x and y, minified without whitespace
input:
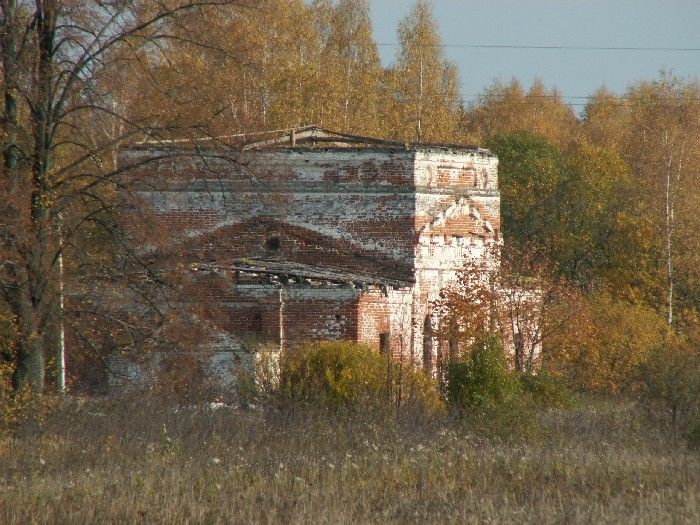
{"x":333,"y":442}
{"x":134,"y":460}
{"x":604,"y":200}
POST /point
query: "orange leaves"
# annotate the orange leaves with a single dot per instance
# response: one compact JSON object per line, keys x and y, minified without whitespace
{"x":521,"y":300}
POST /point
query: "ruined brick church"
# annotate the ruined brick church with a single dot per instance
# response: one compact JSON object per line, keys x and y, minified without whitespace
{"x":314,"y":234}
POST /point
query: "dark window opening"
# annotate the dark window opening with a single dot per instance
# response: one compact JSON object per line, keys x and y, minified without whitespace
{"x":384,"y":344}
{"x":273,"y":244}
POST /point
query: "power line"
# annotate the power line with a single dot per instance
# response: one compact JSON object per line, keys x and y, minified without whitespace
{"x":621,"y":98}
{"x":528,"y":101}
{"x":565,"y":48}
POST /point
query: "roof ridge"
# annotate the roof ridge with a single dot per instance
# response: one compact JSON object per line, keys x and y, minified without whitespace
{"x":311,"y":132}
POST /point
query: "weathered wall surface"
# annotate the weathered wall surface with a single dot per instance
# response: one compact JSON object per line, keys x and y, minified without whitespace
{"x":455,"y":169}
{"x":251,"y":238}
{"x":319,"y":314}
{"x":283,"y":315}
{"x":221,"y":370}
{"x":457,"y":221}
{"x":387,"y":312}
{"x":417,"y":214}
{"x":361,"y":199}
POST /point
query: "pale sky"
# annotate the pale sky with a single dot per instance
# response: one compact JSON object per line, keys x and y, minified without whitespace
{"x":587,"y":23}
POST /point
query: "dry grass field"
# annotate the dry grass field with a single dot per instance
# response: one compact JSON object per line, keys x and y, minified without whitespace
{"x":136,"y":461}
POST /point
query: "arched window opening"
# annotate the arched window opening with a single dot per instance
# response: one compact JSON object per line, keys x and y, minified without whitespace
{"x":384,"y":344}
{"x":428,"y":345}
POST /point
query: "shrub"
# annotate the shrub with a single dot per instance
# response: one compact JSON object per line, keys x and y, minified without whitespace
{"x":12,"y":403}
{"x":671,"y":379}
{"x":605,"y":360}
{"x":21,"y":409}
{"x":340,"y":373}
{"x":546,"y":391}
{"x":413,"y":390}
{"x":488,"y":394}
{"x":257,"y":373}
{"x":183,"y":378}
{"x":483,"y":379}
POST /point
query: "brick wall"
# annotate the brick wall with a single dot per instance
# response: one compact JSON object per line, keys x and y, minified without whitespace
{"x":362,"y":199}
{"x":284,"y":315}
{"x":417,"y":214}
{"x":319,"y":314}
{"x":387,"y":312}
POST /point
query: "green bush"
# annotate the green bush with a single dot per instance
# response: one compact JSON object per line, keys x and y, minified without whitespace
{"x":483,"y":379}
{"x":546,"y":391}
{"x":337,"y":372}
{"x":488,"y":394}
{"x":670,"y":380}
{"x":340,"y":373}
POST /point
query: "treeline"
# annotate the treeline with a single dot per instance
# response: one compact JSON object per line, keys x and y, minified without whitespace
{"x":277,"y":64}
{"x":609,"y":196}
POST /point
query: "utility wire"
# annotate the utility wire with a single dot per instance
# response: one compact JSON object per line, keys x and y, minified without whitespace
{"x":575,"y":104}
{"x":566,"y":48}
{"x":529,"y":99}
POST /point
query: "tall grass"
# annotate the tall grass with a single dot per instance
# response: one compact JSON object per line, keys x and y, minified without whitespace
{"x":138,"y":461}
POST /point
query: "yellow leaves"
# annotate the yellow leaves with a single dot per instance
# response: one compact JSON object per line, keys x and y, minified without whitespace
{"x":624,"y":336}
{"x":293,"y":63}
{"x":424,"y":87}
{"x":344,"y":374}
{"x":507,"y":108}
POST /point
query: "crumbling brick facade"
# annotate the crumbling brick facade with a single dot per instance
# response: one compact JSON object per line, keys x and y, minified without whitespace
{"x":320,"y":235}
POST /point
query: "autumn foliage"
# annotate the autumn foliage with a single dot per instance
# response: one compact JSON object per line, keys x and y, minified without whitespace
{"x":601,"y":268}
{"x":347,"y":375}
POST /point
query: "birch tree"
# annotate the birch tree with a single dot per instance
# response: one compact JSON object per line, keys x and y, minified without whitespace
{"x":507,"y":108}
{"x":352,"y":69}
{"x":426,"y":86}
{"x":664,"y":151}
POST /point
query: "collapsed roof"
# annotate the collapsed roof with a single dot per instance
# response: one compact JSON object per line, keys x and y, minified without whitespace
{"x":303,"y":137}
{"x":284,"y":272}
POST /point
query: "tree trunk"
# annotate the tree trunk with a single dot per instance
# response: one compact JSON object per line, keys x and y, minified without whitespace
{"x":30,"y":371}
{"x":669,"y":245}
{"x":518,"y":343}
{"x":419,"y":124}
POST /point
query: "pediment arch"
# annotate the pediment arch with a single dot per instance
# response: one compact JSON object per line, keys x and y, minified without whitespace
{"x":462,"y":216}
